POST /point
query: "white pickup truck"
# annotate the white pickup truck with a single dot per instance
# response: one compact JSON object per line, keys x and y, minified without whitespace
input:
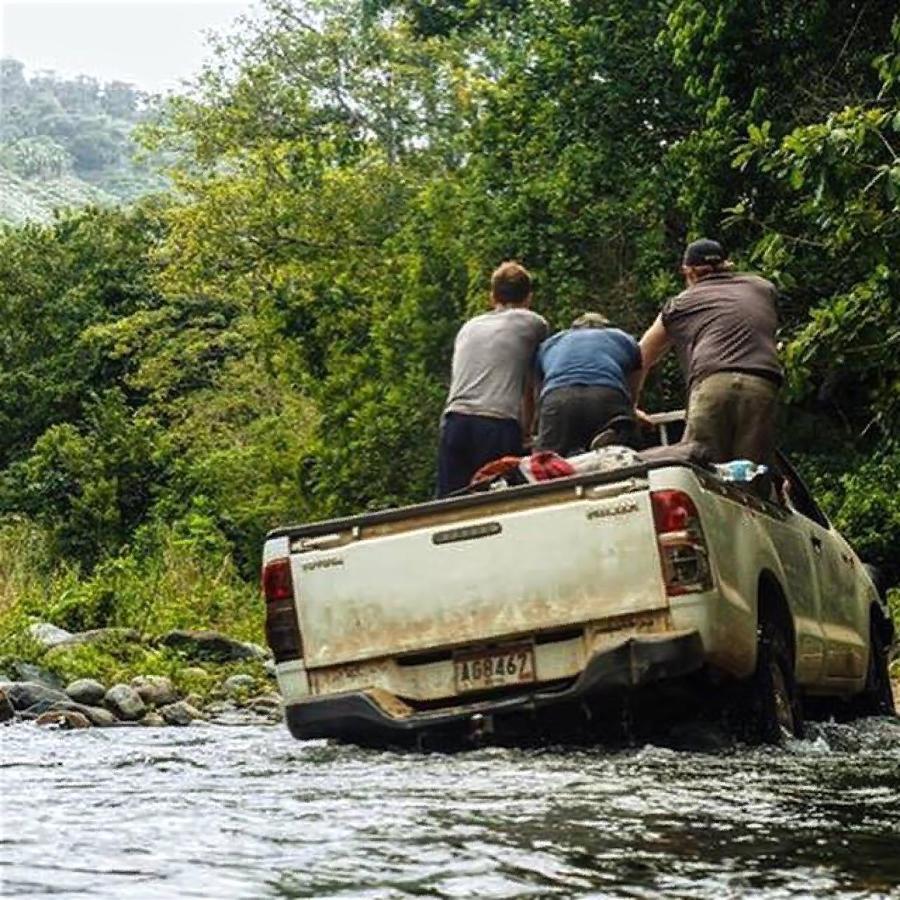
{"x":536,"y":609}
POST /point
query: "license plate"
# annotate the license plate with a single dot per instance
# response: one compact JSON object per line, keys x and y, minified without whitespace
{"x":480,"y":669}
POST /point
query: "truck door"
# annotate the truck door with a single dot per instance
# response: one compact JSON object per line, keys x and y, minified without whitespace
{"x":797,"y":553}
{"x":846,"y":625}
{"x":832,"y":569}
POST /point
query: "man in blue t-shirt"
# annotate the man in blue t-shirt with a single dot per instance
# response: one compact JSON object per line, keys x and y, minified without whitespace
{"x":588,"y":375}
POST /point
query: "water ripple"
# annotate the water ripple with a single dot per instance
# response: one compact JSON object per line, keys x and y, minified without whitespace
{"x":248,"y":812}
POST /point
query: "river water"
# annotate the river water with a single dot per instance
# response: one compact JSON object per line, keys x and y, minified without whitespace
{"x":222,"y":812}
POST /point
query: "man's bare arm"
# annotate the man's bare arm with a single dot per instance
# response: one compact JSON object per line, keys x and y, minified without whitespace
{"x":654,"y":345}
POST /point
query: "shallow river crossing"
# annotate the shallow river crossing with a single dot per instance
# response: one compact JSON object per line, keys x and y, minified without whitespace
{"x":223,"y":812}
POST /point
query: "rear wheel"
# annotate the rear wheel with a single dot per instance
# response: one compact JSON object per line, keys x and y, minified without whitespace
{"x":775,"y":711}
{"x":876,"y":699}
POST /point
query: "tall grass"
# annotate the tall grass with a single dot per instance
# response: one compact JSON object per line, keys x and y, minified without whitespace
{"x":167,"y":580}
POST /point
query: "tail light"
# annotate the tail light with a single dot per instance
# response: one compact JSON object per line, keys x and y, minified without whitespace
{"x":282,"y":627}
{"x":682,"y":546}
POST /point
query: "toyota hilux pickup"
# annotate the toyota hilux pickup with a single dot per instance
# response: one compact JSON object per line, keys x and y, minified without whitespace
{"x":536,"y":608}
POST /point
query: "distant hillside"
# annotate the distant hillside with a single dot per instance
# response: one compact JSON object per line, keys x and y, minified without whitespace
{"x":67,"y":142}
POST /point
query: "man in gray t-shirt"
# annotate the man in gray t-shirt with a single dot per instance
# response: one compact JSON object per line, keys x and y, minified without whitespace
{"x":491,"y":401}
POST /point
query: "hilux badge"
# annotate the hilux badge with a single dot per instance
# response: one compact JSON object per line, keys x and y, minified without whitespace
{"x":326,"y":562}
{"x":619,"y":508}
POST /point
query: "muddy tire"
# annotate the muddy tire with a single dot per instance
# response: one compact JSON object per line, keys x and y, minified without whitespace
{"x":876,"y":699}
{"x":775,"y":710}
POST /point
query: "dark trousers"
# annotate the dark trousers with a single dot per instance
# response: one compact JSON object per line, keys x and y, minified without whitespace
{"x":572,"y":416}
{"x":468,"y":442}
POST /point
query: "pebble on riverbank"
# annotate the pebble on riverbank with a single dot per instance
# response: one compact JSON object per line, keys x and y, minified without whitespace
{"x":238,"y":685}
{"x":153,"y":720}
{"x":68,"y":719}
{"x":87,"y":691}
{"x":125,"y":702}
{"x":155,"y":690}
{"x":7,"y":711}
{"x":180,"y":713}
{"x":210,"y":677}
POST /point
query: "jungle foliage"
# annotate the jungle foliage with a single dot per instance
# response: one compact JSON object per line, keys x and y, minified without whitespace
{"x":272,"y":341}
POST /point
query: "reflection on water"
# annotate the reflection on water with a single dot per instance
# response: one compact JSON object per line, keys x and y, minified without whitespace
{"x":248,"y":812}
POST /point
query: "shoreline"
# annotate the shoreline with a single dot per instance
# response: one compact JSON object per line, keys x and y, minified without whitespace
{"x":116,"y":677}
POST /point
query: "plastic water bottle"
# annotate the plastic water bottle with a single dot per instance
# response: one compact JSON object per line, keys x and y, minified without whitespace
{"x":740,"y":470}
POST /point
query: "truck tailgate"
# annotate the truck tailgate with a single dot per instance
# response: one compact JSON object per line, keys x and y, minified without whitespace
{"x":487,"y":576}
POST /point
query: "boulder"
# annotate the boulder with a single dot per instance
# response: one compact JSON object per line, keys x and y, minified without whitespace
{"x":212,"y":646}
{"x":87,"y":691}
{"x":47,"y":635}
{"x":6,"y":708}
{"x":125,"y":702}
{"x":180,"y":713}
{"x":238,"y":685}
{"x":97,"y":715}
{"x":29,"y":695}
{"x":269,"y":705}
{"x":99,"y":636}
{"x":152,"y":720}
{"x":63,"y":718}
{"x":155,"y":690}
{"x":270,"y":700}
{"x":24,"y":671}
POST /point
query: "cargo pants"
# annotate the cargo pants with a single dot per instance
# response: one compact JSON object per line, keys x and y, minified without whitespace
{"x":732,"y":414}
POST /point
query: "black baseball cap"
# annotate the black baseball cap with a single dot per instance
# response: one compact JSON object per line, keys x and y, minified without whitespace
{"x":703,"y":253}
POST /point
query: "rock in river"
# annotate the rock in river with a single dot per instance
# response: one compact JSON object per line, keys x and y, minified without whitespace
{"x":269,"y":705}
{"x":153,"y":720}
{"x":180,"y":713}
{"x":96,"y":715}
{"x":29,"y":695}
{"x":125,"y":702}
{"x":212,"y":646}
{"x":87,"y":691}
{"x":155,"y":690}
{"x":6,"y":708}
{"x":63,"y":718}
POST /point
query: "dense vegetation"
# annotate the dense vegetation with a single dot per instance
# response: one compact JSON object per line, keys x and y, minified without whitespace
{"x":272,"y":341}
{"x":67,"y":142}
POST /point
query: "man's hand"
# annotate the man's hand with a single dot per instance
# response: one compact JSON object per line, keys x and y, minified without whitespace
{"x":644,"y":418}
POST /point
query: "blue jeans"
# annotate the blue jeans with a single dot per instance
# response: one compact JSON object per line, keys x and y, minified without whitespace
{"x":468,"y":442}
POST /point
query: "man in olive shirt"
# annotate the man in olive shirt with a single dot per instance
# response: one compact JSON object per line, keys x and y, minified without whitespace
{"x":723,"y":328}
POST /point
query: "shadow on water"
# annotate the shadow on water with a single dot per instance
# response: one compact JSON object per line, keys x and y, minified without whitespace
{"x":247,"y":812}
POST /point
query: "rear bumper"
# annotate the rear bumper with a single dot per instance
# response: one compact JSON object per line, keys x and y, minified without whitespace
{"x":358,"y":716}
